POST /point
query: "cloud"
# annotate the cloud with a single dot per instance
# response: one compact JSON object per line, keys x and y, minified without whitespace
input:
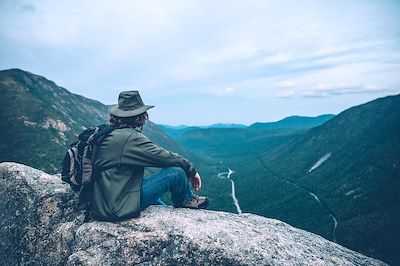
{"x":187,"y":72}
{"x":323,"y":90}
{"x":219,"y":91}
{"x":225,"y":91}
{"x":256,"y":50}
{"x":275,"y":59}
{"x":285,"y":84}
{"x":286,"y":94}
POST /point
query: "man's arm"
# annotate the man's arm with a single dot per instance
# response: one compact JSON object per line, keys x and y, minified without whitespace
{"x":139,"y":150}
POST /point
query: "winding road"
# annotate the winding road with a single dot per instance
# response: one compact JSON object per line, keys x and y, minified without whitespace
{"x":235,"y":200}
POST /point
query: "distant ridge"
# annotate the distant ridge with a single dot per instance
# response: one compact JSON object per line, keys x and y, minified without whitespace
{"x":177,"y":131}
{"x":231,"y":142}
{"x":292,"y":122}
{"x":295,"y":121}
{"x":217,"y":125}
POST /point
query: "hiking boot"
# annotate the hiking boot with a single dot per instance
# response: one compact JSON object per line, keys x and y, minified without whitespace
{"x":197,"y":202}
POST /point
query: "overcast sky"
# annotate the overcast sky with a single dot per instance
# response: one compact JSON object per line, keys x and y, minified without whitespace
{"x":203,"y":62}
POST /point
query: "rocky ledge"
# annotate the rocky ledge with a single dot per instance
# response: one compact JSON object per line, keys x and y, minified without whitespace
{"x":41,"y":224}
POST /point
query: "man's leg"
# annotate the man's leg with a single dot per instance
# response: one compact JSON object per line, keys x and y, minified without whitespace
{"x":171,"y":179}
{"x":160,"y":202}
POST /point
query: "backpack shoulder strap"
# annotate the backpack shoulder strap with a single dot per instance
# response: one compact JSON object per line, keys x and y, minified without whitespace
{"x":97,"y":137}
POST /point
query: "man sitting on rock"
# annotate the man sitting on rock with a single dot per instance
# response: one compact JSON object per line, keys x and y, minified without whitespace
{"x":119,"y":190}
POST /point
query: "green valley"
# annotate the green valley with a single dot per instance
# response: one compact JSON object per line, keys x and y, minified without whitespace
{"x":340,"y":179}
{"x":337,"y":176}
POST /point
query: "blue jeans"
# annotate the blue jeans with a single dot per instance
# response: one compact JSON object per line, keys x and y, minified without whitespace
{"x":171,"y":179}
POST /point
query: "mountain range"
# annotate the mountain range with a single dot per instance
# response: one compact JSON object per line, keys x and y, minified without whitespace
{"x":259,"y":137}
{"x":337,"y":176}
{"x":177,"y":131}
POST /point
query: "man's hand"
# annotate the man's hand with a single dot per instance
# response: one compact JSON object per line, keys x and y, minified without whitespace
{"x":196,"y":182}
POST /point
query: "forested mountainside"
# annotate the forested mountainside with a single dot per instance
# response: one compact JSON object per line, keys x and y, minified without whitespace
{"x":340,"y":179}
{"x":352,"y":163}
{"x":40,"y":119}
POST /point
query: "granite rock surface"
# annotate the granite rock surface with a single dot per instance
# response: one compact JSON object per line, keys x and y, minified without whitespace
{"x":42,"y":224}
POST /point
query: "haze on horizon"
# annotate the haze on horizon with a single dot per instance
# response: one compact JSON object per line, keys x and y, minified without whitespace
{"x":205,"y":62}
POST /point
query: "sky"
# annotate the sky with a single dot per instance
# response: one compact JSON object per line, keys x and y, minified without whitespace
{"x":203,"y":62}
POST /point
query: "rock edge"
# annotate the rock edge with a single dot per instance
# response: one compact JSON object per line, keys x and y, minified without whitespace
{"x":42,"y":224}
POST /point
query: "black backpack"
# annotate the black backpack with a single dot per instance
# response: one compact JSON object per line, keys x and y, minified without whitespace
{"x":77,"y":165}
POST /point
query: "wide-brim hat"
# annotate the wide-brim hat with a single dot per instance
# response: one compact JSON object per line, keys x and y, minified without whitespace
{"x":129,"y":104}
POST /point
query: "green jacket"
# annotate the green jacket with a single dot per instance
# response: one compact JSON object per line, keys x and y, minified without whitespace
{"x":119,"y":168}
